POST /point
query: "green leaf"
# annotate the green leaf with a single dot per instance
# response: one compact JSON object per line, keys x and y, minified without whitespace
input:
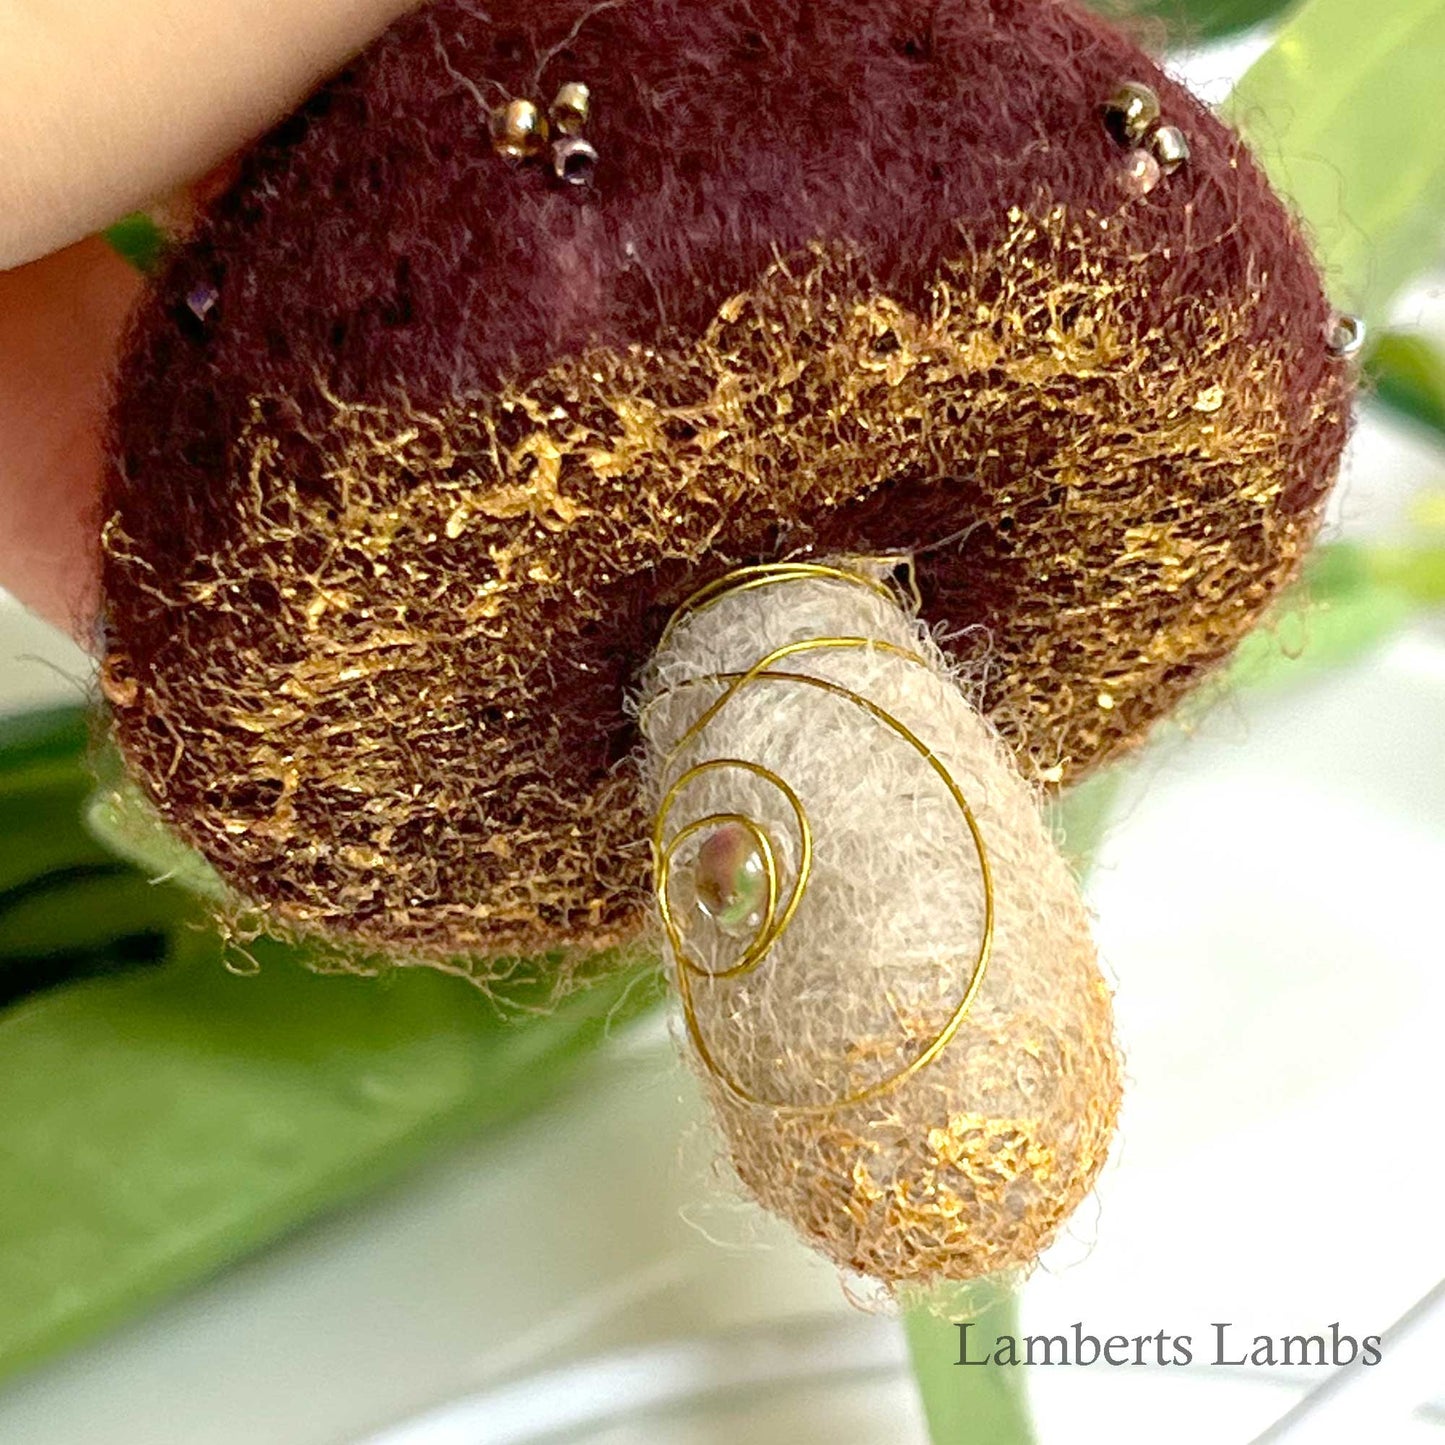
{"x":40,"y":831}
{"x":1409,"y":378}
{"x":22,"y":975}
{"x":1083,"y":815}
{"x":139,"y":240}
{"x":1353,"y":598}
{"x":42,"y":747}
{"x":43,"y":783}
{"x":1193,"y":22}
{"x":1427,"y":512}
{"x":1343,"y":110}
{"x":1313,"y":636}
{"x":1345,"y":570}
{"x":121,"y":816}
{"x":985,"y":1403}
{"x":83,"y":908}
{"x":165,"y":1117}
{"x":156,"y":1126}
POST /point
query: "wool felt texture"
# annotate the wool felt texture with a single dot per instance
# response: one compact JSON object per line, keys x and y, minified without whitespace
{"x":903,"y":1166}
{"x":414,"y":451}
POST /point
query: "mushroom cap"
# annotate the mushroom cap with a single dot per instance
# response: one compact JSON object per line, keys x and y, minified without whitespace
{"x":415,"y":448}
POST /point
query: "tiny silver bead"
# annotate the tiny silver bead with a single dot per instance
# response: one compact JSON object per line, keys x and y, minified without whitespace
{"x":574,"y":160}
{"x":1344,"y":334}
{"x":1170,"y":148}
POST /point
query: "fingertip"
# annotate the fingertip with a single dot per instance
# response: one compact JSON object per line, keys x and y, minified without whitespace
{"x":61,"y":323}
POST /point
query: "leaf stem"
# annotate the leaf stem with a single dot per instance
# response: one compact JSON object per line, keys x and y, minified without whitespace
{"x":980,"y":1404}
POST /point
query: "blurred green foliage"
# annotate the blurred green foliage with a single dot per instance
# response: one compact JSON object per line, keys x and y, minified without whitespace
{"x":970,"y":1403}
{"x":139,"y":240}
{"x":1408,"y":375}
{"x":160,"y":1117}
{"x":1342,"y":111}
{"x":1196,"y":22}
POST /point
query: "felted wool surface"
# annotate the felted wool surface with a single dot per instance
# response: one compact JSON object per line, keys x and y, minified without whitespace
{"x":414,"y":451}
{"x":814,"y":1055}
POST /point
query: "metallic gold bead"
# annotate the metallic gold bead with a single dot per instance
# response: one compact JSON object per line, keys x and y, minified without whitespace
{"x":1130,"y":111}
{"x":1139,"y":174}
{"x":573,"y":160}
{"x":519,"y":130}
{"x":1344,"y":334}
{"x":1170,"y":148}
{"x":570,"y":108}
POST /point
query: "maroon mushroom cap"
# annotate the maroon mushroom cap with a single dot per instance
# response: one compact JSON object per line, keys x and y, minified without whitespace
{"x":415,"y":447}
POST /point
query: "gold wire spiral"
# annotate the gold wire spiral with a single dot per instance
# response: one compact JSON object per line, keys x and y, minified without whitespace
{"x":775,"y":920}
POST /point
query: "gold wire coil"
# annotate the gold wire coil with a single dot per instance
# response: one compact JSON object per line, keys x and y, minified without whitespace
{"x":772,"y":574}
{"x":775,"y":920}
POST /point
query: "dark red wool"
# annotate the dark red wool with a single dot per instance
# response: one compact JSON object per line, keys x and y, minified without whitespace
{"x":374,"y":248}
